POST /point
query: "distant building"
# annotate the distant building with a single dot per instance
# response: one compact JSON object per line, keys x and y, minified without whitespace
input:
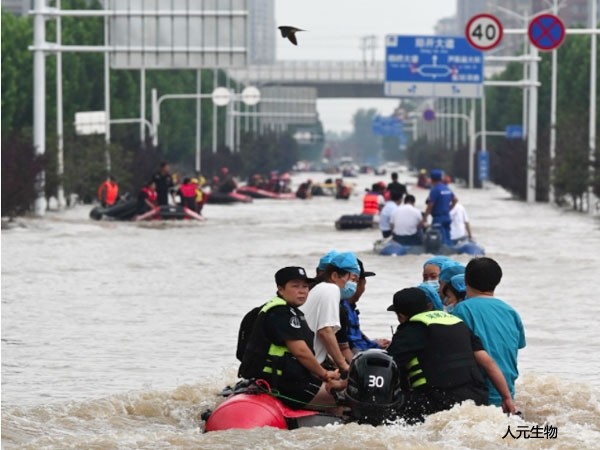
{"x":262,"y":31}
{"x":573,"y":13}
{"x":447,"y":27}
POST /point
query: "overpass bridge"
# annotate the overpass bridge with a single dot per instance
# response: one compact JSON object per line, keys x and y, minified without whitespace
{"x":332,"y":79}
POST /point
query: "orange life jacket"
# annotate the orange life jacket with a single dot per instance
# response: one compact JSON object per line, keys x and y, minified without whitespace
{"x":371,"y":203}
{"x":108,"y":193}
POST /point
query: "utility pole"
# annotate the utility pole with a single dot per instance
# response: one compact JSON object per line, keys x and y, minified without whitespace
{"x":368,"y":43}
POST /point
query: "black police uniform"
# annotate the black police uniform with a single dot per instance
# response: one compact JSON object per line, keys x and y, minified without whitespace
{"x":437,"y":365}
{"x":292,"y":383}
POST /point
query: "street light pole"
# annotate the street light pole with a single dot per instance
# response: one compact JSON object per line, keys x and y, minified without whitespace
{"x":39,"y":101}
{"x":593,"y":61}
{"x":532,"y":123}
{"x":553,"y":93}
{"x":60,"y":194}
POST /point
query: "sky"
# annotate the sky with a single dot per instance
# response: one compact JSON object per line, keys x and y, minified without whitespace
{"x":334,"y":31}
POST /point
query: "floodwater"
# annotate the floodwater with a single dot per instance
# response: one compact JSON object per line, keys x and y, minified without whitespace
{"x":119,"y":335}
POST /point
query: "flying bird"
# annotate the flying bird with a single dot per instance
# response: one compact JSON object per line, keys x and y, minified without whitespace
{"x":290,"y":33}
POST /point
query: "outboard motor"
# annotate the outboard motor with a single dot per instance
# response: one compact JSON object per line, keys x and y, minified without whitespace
{"x":432,"y":240}
{"x":373,"y":391}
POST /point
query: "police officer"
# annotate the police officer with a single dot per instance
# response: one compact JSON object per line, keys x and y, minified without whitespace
{"x":439,"y":359}
{"x":280,"y":348}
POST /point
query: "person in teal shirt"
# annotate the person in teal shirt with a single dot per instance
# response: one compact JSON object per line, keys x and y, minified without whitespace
{"x":496,"y":323}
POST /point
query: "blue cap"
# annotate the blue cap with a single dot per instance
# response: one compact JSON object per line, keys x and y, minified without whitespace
{"x":436,"y":174}
{"x":432,"y":296}
{"x":438,"y":260}
{"x":458,"y":283}
{"x":449,"y":270}
{"x":346,"y":261}
{"x":326,"y":259}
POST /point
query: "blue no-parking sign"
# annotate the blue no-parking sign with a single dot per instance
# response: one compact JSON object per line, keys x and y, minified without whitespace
{"x":432,"y":66}
{"x":546,"y":31}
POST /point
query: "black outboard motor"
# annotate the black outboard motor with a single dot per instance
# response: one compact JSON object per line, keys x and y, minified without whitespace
{"x":432,"y":240}
{"x":373,"y":391}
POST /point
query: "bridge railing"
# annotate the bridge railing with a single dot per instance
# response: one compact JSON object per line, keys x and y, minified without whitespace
{"x":314,"y":71}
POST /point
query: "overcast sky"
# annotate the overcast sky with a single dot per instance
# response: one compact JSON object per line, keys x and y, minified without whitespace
{"x":334,"y":29}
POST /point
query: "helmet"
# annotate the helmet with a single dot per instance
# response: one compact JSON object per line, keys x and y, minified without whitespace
{"x":373,"y":391}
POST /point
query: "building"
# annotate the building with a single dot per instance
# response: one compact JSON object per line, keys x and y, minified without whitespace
{"x":573,"y":13}
{"x":262,"y":31}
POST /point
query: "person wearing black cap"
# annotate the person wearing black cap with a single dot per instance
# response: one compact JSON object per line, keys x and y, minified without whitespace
{"x":439,"y":359}
{"x":280,"y":348}
{"x":358,"y":340}
{"x":439,"y":203}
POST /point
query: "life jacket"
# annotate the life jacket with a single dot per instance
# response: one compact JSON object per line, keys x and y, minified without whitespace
{"x":188,"y":195}
{"x":199,"y":195}
{"x":371,"y":203}
{"x":447,"y":360}
{"x":107,"y":193}
{"x":188,"y":190}
{"x":356,"y":339}
{"x":265,"y":359}
{"x":150,"y":194}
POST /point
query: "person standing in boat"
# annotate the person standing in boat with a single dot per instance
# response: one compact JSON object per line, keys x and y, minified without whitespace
{"x":460,"y":229}
{"x":147,"y":198}
{"x":396,"y":186}
{"x":497,"y":324}
{"x":280,"y":350}
{"x":439,"y":359}
{"x":163,"y":181}
{"x":108,"y":192}
{"x":441,"y":199}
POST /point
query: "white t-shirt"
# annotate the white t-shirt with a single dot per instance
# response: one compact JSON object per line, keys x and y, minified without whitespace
{"x":458,"y":217}
{"x":322,"y":309}
{"x":386,"y":214}
{"x":406,"y":219}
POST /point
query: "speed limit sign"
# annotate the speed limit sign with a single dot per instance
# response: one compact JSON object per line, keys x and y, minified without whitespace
{"x":484,"y":31}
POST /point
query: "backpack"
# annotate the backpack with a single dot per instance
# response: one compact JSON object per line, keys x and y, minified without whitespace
{"x":245,"y":331}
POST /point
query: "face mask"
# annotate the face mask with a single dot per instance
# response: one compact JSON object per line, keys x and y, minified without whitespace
{"x":348,"y":290}
{"x":449,"y":309}
{"x":435,"y":284}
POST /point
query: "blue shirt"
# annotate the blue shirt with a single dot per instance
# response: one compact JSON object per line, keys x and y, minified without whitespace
{"x":441,"y":196}
{"x":501,"y":331}
{"x":356,"y":339}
